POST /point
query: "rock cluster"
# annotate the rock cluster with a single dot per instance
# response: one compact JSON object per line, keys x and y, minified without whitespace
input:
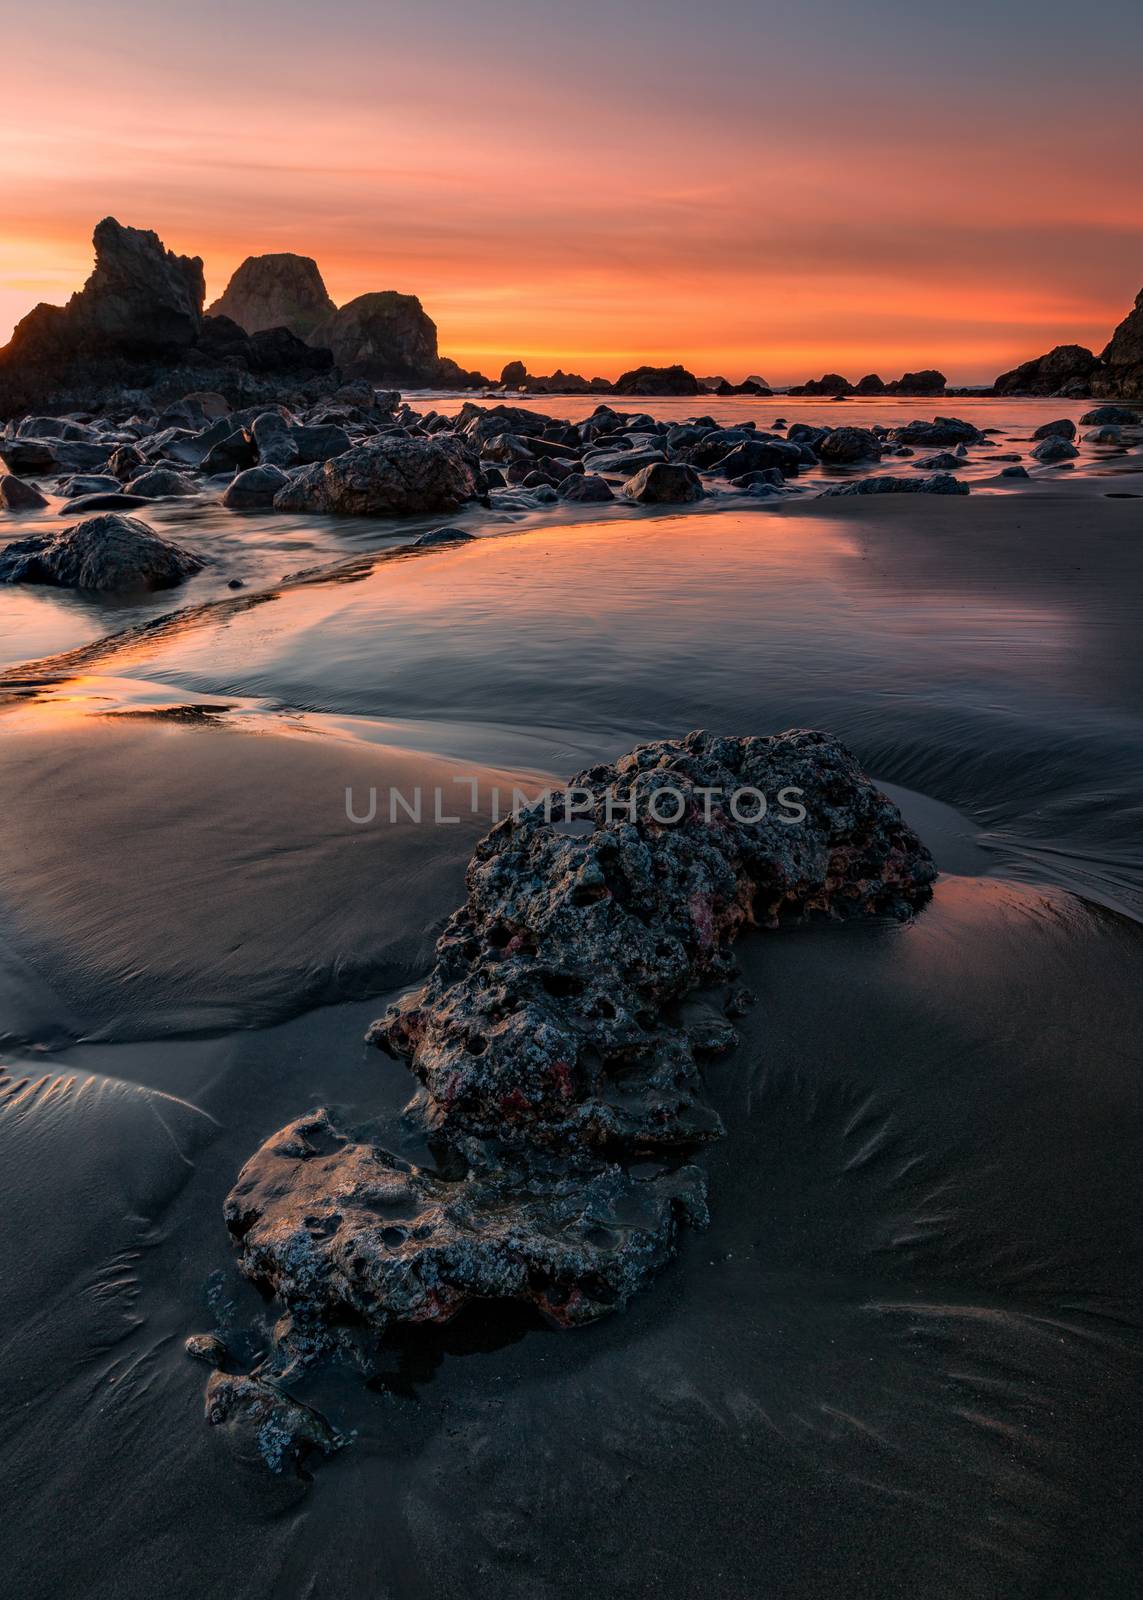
{"x":1066,"y":370}
{"x":928,"y":382}
{"x":558,"y":1043}
{"x":360,"y":452}
{"x":137,"y":324}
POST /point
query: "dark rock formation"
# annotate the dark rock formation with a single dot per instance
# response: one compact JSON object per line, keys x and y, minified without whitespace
{"x":588,"y":489}
{"x":557,"y":1050}
{"x":670,"y":483}
{"x":160,"y":483}
{"x":939,"y":483}
{"x":390,"y":476}
{"x":140,"y":299}
{"x":386,"y":337}
{"x":254,"y":489}
{"x":870,"y":384}
{"x":845,"y":446}
{"x":1062,"y":428}
{"x":108,"y":553}
{"x":929,"y":381}
{"x":1047,"y":375}
{"x":275,"y":291}
{"x":137,"y":324}
{"x":1121,"y":375}
{"x":1115,"y":416}
{"x":941,"y":431}
{"x":657,"y":381}
{"x":831,"y":384}
{"x":1054,"y":448}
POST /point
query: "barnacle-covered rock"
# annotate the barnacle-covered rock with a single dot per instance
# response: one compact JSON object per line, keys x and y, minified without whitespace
{"x":558,"y":1044}
{"x":548,"y":1015}
{"x":339,"y":1226}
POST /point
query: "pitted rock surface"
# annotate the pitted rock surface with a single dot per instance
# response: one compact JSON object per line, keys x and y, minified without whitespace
{"x":556,"y":1048}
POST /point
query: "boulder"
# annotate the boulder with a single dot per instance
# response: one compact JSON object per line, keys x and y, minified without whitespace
{"x":1117,"y":416}
{"x":108,"y":553}
{"x":235,"y":451}
{"x":870,"y":384}
{"x":161,"y":483}
{"x":275,"y":291}
{"x":670,"y":483}
{"x":941,"y":431}
{"x":1054,"y":449}
{"x":1064,"y":428}
{"x":272,"y":440}
{"x":16,"y":495}
{"x":390,"y":476}
{"x":844,"y":446}
{"x":87,"y":483}
{"x":1014,"y":472}
{"x":586,"y":488}
{"x":514,"y":375}
{"x":255,"y":488}
{"x":1107,"y":435}
{"x":658,"y":381}
{"x":1062,"y":367}
{"x":26,"y":456}
{"x":318,"y":442}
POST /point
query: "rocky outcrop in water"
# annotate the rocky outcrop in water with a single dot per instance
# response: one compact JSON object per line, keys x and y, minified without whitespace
{"x":927,"y":381}
{"x":388,"y":338}
{"x":515,"y":375}
{"x":558,"y":1043}
{"x":657,"y":381}
{"x":137,"y":325}
{"x":1121,"y":375}
{"x":831,"y":383}
{"x":113,"y":554}
{"x":1069,"y":367}
{"x":275,"y":291}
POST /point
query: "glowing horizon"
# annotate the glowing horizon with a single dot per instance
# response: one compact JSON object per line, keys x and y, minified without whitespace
{"x":751,"y":190}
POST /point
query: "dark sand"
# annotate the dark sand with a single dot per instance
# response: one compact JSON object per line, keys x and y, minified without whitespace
{"x":906,"y":1357}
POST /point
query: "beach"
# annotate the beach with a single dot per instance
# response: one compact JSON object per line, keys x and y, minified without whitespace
{"x":904,"y":1357}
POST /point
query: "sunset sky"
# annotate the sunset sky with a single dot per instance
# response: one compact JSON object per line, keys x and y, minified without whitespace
{"x":741,"y":185}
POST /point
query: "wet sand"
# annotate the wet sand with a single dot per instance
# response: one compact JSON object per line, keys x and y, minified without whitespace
{"x":906,"y":1357}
